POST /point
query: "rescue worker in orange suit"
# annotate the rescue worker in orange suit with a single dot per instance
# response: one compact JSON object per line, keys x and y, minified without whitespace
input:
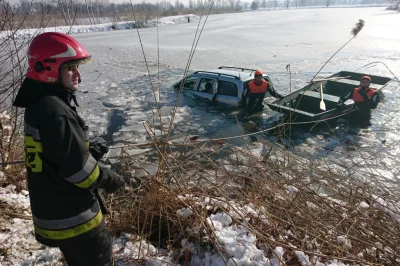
{"x":254,"y":93}
{"x":63,"y":175}
{"x":365,"y":99}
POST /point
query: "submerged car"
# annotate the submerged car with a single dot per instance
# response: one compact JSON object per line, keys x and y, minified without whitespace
{"x":223,"y":85}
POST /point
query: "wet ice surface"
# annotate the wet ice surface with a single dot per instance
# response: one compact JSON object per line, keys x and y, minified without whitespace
{"x":119,"y":101}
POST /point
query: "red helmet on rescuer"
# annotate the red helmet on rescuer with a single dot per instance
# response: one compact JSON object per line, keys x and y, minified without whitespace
{"x":258,"y":73}
{"x":49,"y":52}
{"x":367,"y":78}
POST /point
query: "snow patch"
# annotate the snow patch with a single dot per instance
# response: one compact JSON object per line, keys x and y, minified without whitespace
{"x":184,"y":212}
{"x":388,"y":208}
{"x":292,"y":189}
{"x":343,"y":240}
{"x":363,"y":205}
{"x":303,"y":258}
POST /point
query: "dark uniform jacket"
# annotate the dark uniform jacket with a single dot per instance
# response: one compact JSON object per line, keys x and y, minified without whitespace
{"x":62,"y":174}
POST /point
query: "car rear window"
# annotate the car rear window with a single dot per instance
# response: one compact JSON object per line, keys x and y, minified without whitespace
{"x":227,"y":88}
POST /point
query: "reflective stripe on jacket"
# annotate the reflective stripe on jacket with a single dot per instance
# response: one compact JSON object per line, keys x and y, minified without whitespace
{"x":70,"y":227}
{"x":254,"y":88}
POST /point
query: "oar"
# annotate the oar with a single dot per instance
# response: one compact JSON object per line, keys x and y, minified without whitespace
{"x":322,"y":103}
{"x":329,"y":79}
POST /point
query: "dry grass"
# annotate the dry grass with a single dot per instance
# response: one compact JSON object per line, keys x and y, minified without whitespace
{"x":257,"y":191}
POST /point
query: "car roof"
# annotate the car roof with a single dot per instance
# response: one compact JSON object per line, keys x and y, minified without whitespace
{"x":241,"y":75}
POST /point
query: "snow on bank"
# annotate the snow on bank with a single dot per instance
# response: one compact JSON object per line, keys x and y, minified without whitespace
{"x":29,"y":33}
{"x":19,"y":247}
{"x":387,"y":207}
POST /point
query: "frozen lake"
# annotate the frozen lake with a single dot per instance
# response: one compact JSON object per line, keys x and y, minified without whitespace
{"x":116,"y":96}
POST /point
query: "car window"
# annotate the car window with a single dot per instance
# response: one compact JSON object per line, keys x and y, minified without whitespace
{"x":190,"y":82}
{"x":227,"y":88}
{"x":207,"y":85}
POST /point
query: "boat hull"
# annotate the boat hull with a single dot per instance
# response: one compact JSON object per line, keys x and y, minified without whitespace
{"x":304,"y":104}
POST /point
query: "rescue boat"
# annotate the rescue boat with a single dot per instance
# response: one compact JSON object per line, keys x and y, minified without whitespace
{"x":304,"y":105}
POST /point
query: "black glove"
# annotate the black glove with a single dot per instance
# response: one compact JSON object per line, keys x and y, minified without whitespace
{"x":364,"y":94}
{"x":280,"y":96}
{"x":340,"y":103}
{"x":115,"y":181}
{"x":130,"y":180}
{"x":98,"y":147}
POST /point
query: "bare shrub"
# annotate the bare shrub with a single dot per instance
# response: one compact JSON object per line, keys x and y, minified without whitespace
{"x":13,"y":59}
{"x":283,"y":200}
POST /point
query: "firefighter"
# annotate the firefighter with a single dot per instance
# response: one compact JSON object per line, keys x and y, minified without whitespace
{"x":365,"y":99}
{"x":63,"y":176}
{"x":254,"y":93}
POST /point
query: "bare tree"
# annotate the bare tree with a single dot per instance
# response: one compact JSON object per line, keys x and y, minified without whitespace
{"x":62,"y":5}
{"x":396,"y":5}
{"x":264,"y":4}
{"x":254,"y":5}
{"x":328,"y":3}
{"x":91,"y":10}
{"x":191,"y":4}
{"x":13,"y":58}
{"x":287,"y":2}
{"x":237,"y":4}
{"x":88,"y":12}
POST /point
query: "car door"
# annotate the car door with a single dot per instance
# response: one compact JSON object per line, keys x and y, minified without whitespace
{"x":206,"y":88}
{"x":189,"y":85}
{"x":227,"y":93}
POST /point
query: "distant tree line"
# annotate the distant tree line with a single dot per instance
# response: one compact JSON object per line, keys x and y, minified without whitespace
{"x":69,"y":12}
{"x":36,"y":13}
{"x":273,"y":4}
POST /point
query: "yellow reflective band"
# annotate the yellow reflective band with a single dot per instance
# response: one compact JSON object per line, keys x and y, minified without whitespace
{"x":91,"y":179}
{"x":31,"y":143}
{"x":68,"y":233}
{"x":32,"y":150}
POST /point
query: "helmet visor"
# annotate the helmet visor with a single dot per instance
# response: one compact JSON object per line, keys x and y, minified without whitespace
{"x":78,"y":62}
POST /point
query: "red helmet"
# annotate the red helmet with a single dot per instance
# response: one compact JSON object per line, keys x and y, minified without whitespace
{"x":49,"y":52}
{"x":258,"y":73}
{"x":366,"y":77}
